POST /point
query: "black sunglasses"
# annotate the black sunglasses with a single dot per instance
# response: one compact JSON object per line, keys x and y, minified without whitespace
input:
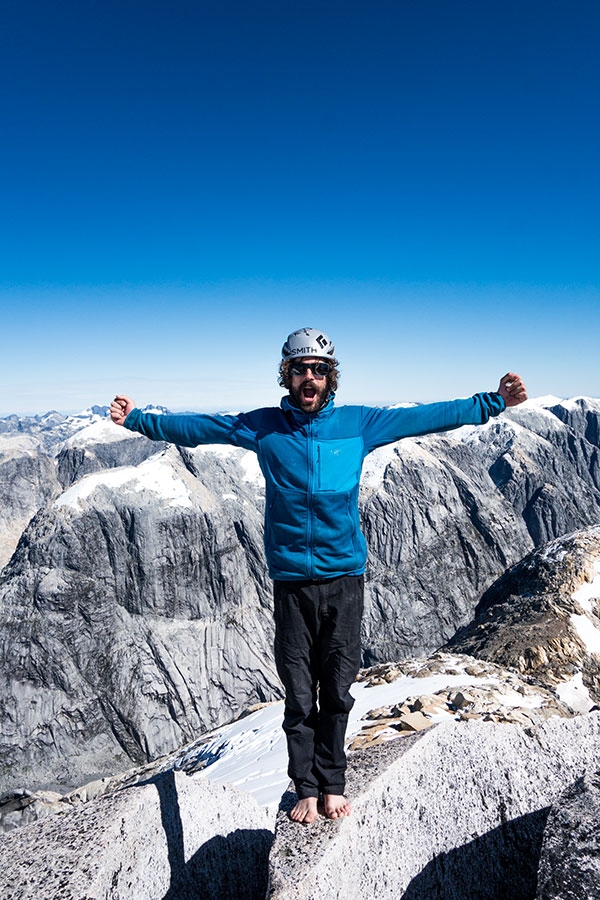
{"x":320,"y":369}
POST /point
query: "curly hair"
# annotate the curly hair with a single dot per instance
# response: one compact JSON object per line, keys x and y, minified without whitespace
{"x":285,"y":379}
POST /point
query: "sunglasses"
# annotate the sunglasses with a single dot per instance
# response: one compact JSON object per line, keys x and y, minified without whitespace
{"x":319,"y":369}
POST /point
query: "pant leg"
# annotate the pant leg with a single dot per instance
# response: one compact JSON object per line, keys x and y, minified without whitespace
{"x":318,"y":654}
{"x":341,"y":609}
{"x":296,"y":606}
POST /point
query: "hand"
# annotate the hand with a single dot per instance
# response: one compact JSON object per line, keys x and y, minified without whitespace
{"x":512,"y":389}
{"x":120,"y":408}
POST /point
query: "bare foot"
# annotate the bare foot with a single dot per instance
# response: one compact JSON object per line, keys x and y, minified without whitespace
{"x":305,"y":811}
{"x":336,"y":806}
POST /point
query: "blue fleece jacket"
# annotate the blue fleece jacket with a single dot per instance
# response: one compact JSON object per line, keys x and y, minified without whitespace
{"x":312,"y":465}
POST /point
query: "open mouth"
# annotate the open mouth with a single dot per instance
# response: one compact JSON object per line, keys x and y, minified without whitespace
{"x":309,"y":393}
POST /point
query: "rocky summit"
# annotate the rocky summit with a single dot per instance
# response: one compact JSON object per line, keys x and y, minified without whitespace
{"x":428,"y":691}
{"x":457,"y":811}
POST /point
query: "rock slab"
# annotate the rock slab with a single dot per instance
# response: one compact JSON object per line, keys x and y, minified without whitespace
{"x":456,"y":811}
{"x":173,"y":838}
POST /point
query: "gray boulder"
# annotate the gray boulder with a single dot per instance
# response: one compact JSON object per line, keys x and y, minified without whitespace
{"x":570,"y":860}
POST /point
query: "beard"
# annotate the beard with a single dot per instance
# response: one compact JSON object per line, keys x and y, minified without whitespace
{"x":310,"y":396}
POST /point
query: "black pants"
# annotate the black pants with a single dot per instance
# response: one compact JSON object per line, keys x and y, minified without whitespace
{"x":317,"y":652}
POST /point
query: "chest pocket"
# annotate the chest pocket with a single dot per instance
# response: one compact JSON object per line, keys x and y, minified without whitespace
{"x":338,"y":464}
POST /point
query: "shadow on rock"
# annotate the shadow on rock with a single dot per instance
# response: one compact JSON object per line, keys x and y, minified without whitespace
{"x":234,"y":867}
{"x":500,"y":865}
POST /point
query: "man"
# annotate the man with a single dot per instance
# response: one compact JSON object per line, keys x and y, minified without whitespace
{"x":311,"y":454}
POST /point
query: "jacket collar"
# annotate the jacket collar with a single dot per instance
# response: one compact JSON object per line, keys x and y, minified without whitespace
{"x":303,"y":418}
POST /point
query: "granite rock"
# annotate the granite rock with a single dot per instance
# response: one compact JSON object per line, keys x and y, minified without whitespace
{"x":570,"y":859}
{"x":542,"y":617}
{"x":456,"y":811}
{"x":173,"y":838}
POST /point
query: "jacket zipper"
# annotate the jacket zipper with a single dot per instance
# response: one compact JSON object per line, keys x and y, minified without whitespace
{"x":311,"y":477}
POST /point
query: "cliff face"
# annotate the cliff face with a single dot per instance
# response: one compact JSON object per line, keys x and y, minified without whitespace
{"x":446,"y":515}
{"x":136,"y":611}
{"x":101,"y":446}
{"x":135,"y":616}
{"x":28,"y":481}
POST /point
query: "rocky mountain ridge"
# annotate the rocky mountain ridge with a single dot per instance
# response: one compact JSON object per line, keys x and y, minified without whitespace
{"x":465,"y":687}
{"x":542,"y":617}
{"x":458,"y":810}
{"x":136,"y":612}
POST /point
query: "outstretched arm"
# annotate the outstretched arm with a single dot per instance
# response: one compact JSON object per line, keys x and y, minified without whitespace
{"x":189,"y":429}
{"x":120,"y":408}
{"x":381,"y":426}
{"x":512,"y":389}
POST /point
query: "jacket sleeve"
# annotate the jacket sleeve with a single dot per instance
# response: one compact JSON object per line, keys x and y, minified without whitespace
{"x":192,"y":430}
{"x":384,"y":426}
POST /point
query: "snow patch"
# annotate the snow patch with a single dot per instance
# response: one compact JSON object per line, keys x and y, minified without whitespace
{"x":543,"y":402}
{"x":224,"y":451}
{"x":474,"y":434}
{"x":154,"y":474}
{"x":575,"y":694}
{"x":375,"y":465}
{"x":577,"y":402}
{"x":403,"y":405}
{"x":18,"y":444}
{"x":103,"y":431}
{"x":589,"y":590}
{"x":587,"y":632}
{"x":555,"y":551}
{"x":252,"y":471}
{"x":252,"y":754}
{"x":248,"y":460}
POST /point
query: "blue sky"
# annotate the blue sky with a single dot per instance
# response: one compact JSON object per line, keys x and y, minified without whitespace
{"x":184,"y":183}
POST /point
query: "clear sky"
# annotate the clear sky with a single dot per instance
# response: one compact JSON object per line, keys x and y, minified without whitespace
{"x":182,"y":183}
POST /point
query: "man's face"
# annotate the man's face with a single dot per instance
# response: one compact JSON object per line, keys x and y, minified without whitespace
{"x":309,"y":391}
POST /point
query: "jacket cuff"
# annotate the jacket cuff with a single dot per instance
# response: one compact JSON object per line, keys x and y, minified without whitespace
{"x":499,"y":400}
{"x":132,"y":419}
